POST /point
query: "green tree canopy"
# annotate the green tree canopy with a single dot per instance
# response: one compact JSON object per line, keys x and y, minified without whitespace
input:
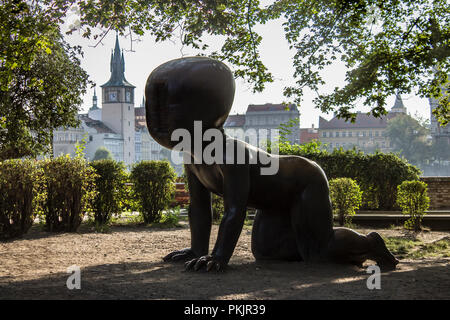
{"x":387,"y":45}
{"x":409,"y":137}
{"x":41,"y":81}
{"x":102,"y":153}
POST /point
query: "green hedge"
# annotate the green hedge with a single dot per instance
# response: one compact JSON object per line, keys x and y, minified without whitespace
{"x":22,"y":190}
{"x":378,"y":175}
{"x":153,"y":188}
{"x":70,"y":186}
{"x":111,"y":189}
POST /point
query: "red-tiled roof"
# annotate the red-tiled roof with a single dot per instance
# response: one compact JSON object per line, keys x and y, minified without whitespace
{"x":270,"y":107}
{"x":139,"y":112}
{"x":235,"y":120}
{"x":308,"y":134}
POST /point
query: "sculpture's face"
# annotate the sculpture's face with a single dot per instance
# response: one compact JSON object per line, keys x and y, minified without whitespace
{"x":185,"y":90}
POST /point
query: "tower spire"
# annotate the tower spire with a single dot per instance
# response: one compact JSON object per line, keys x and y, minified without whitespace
{"x":117,"y":67}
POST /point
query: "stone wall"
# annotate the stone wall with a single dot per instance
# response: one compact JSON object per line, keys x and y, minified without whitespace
{"x":438,"y":191}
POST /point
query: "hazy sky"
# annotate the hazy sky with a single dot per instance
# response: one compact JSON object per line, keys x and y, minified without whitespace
{"x":147,"y":55}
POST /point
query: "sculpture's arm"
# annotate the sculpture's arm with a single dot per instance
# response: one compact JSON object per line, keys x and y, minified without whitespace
{"x":235,"y":189}
{"x":200,"y":220}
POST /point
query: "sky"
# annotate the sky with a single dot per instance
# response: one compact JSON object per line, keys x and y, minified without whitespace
{"x":275,"y":54}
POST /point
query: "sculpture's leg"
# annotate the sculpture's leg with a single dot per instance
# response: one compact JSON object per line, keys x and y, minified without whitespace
{"x":312,"y":221}
{"x":273,"y":237}
{"x":348,"y":246}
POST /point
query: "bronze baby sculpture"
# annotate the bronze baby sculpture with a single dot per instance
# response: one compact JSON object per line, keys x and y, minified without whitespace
{"x":294,"y":217}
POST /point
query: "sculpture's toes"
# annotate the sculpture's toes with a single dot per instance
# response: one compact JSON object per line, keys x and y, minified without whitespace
{"x":208,"y":262}
{"x":179,"y":255}
{"x":384,"y":258}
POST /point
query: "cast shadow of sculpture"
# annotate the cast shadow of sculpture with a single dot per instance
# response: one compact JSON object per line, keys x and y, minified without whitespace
{"x":294,"y":217}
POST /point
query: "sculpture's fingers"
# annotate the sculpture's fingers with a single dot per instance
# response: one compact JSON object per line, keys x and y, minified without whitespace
{"x":200,"y":263}
{"x":179,"y":257}
{"x":169,"y":256}
{"x":190,"y":264}
{"x":211,"y":264}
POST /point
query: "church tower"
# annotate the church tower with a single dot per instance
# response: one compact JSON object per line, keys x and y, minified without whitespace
{"x":118,"y":104}
{"x":398,"y":107}
{"x":95,"y":112}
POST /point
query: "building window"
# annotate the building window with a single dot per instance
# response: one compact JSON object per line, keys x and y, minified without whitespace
{"x":344,"y":134}
{"x":324,"y":134}
{"x":349,"y":133}
{"x":129,"y":108}
{"x":129,"y":123}
{"x":90,"y":138}
{"x":376,"y":133}
{"x":370,"y":134}
{"x":337,"y":134}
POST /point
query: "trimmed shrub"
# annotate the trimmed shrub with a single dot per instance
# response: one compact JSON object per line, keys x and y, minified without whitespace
{"x":413,"y":200}
{"x":70,"y":190}
{"x":110,"y":185}
{"x":153,"y":188}
{"x":378,"y":175}
{"x":22,"y":190}
{"x":345,"y":197}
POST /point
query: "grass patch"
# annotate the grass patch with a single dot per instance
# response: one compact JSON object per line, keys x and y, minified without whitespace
{"x":440,"y":248}
{"x":401,"y":246}
{"x":415,"y":249}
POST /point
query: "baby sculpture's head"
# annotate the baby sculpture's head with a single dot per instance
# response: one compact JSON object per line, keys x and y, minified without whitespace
{"x":185,"y":90}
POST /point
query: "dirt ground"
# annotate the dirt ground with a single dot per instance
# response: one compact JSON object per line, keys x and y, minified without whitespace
{"x":126,"y":264}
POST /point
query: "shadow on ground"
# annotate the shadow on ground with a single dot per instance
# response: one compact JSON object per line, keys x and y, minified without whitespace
{"x":140,"y":280}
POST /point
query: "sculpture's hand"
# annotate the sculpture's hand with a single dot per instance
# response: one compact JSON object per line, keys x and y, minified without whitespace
{"x":180,"y":255}
{"x":210,"y":262}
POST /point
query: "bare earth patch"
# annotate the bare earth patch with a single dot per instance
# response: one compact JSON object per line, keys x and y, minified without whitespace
{"x":127,"y":264}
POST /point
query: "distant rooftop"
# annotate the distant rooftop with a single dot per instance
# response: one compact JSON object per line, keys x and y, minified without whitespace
{"x":362,"y":120}
{"x":96,"y":124}
{"x":235,"y":120}
{"x":270,"y":107}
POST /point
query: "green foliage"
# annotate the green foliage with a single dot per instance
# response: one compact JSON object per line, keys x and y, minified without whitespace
{"x":386,"y":45}
{"x":409,"y":138}
{"x":378,"y":175}
{"x":22,"y":191}
{"x":70,"y":189}
{"x":404,"y":247}
{"x":285,"y":129}
{"x":102,"y":153}
{"x":218,"y":207}
{"x":345,"y":197}
{"x":413,"y":200}
{"x":110,"y":185}
{"x":41,"y":81}
{"x":170,"y":218}
{"x":153,"y":188}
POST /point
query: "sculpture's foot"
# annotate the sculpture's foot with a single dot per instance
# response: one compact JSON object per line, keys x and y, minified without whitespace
{"x":209,"y":262}
{"x":380,"y":253}
{"x":180,"y":255}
